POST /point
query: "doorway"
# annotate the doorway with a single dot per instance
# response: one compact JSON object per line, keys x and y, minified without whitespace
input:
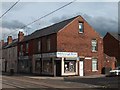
{"x":81,"y":68}
{"x":58,"y":67}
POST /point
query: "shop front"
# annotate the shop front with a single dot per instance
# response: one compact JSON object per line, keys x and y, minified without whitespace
{"x":60,"y":63}
{"x":24,"y":65}
{"x":37,"y":64}
{"x":48,"y":66}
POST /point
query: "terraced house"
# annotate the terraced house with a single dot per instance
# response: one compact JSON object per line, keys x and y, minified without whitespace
{"x":69,"y":47}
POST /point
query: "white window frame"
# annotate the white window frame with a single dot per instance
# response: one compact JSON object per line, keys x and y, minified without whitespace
{"x":94,"y":44}
{"x":81,"y":27}
{"x":94,"y":64}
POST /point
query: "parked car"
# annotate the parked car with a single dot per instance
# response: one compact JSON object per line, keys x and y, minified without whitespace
{"x":114,"y":72}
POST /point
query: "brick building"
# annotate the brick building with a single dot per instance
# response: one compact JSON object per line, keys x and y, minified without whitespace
{"x":9,"y":55}
{"x":70,"y":47}
{"x":112,"y":45}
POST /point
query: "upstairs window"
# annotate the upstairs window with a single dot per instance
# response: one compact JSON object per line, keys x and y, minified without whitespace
{"x":39,"y":46}
{"x":94,"y":45}
{"x":48,"y":43}
{"x":27,"y":45}
{"x":21,"y":48}
{"x":80,"y":27}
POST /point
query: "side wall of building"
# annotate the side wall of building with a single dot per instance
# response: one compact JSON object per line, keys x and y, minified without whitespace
{"x":112,"y":47}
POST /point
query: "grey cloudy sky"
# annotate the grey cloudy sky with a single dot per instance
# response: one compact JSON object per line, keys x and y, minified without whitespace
{"x":102,"y":16}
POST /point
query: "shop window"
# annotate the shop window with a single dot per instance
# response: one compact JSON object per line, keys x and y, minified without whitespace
{"x":69,"y":66}
{"x":94,"y":45}
{"x":47,"y":65}
{"x":37,"y":65}
{"x":80,"y":27}
{"x":94,"y":64}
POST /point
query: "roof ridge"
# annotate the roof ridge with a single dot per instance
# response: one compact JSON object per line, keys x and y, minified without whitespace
{"x":57,"y":23}
{"x":49,"y":29}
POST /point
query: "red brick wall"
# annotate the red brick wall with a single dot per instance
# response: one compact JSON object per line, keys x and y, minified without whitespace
{"x":71,"y":40}
{"x":53,"y":43}
{"x":111,"y":46}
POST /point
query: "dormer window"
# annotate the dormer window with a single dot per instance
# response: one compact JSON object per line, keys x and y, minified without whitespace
{"x":80,"y":27}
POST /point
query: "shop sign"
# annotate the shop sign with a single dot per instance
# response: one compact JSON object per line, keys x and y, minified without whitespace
{"x":23,"y":57}
{"x":49,"y":55}
{"x":67,"y":54}
{"x":60,"y":54}
{"x":37,"y":55}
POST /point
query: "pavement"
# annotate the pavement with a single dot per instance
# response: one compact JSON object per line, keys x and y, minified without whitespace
{"x":62,"y":78}
{"x":54,"y":78}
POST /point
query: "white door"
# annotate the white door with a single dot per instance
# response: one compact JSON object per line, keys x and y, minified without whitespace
{"x":81,"y":68}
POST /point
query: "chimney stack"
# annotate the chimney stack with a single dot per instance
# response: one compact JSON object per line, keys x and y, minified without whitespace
{"x":2,"y":42}
{"x":20,"y":36}
{"x":9,"y":39}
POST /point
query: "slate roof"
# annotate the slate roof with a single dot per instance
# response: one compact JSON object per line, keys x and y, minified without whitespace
{"x":115,"y":35}
{"x":48,"y":30}
{"x":42,"y":32}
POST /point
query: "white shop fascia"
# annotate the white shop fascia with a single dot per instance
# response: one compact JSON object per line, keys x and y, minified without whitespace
{"x":57,"y":54}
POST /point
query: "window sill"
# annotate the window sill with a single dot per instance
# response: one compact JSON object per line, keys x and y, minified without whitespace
{"x":94,"y":70}
{"x":80,"y":32}
{"x":94,"y":51}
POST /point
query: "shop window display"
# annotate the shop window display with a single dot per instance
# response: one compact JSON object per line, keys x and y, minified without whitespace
{"x":69,"y":66}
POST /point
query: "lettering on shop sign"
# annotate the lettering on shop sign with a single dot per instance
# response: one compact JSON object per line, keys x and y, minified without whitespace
{"x":67,"y":54}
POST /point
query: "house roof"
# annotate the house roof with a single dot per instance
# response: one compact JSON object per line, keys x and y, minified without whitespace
{"x":48,"y":30}
{"x":115,"y":35}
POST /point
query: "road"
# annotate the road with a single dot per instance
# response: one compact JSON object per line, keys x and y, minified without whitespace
{"x":21,"y":82}
{"x":106,"y":82}
{"x":28,"y":83}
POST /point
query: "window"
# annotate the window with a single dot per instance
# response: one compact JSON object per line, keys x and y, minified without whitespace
{"x":27,"y":45}
{"x":38,"y":65}
{"x":21,"y":48}
{"x":94,"y":45}
{"x":69,"y":66}
{"x":94,"y":64}
{"x":47,"y":66}
{"x":39,"y":46}
{"x":80,"y":27}
{"x":48,"y":44}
